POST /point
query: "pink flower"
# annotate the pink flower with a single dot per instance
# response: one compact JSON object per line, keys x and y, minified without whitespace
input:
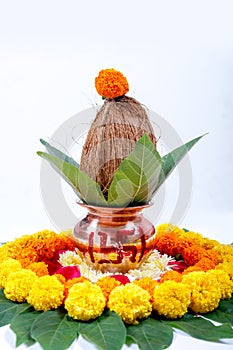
{"x":121,"y":278}
{"x":69,"y":272}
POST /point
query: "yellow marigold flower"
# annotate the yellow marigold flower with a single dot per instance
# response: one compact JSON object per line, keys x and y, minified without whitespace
{"x":111,"y":83}
{"x":130,"y":302}
{"x":107,"y":284}
{"x":171,"y":299}
{"x":226,"y":285}
{"x":70,"y":283}
{"x":40,"y":268}
{"x":6,"y":267}
{"x":85,"y":301}
{"x":208,"y":243}
{"x":171,"y":276}
{"x":19,"y":284}
{"x":205,"y":289}
{"x":225,"y":252}
{"x":148,"y":284}
{"x":227,"y":267}
{"x":46,"y":293}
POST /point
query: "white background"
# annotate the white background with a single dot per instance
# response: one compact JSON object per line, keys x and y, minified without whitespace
{"x":178,"y":58}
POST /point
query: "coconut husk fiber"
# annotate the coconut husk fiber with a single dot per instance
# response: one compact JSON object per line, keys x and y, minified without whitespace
{"x":118,"y":125}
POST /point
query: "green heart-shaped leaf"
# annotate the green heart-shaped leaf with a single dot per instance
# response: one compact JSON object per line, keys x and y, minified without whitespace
{"x":151,"y":334}
{"x":106,"y":332}
{"x":9,"y":309}
{"x":53,"y":331}
{"x":87,"y":190}
{"x":201,"y":328}
{"x":224,"y":312}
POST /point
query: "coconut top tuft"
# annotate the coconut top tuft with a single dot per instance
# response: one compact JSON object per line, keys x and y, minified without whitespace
{"x":111,"y":83}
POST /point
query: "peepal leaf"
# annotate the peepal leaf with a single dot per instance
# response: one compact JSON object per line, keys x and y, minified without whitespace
{"x":201,"y":328}
{"x":106,"y":332}
{"x":57,"y":153}
{"x":21,"y":326}
{"x":224,"y":312}
{"x":151,"y":334}
{"x":171,"y":160}
{"x":53,"y":331}
{"x":88,"y":190}
{"x":9,"y":309}
{"x":140,"y":170}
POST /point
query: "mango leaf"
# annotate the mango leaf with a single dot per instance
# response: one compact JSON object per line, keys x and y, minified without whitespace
{"x":56,"y":152}
{"x":21,"y":326}
{"x":137,"y":173}
{"x":9,"y":309}
{"x":106,"y":332}
{"x":53,"y":331}
{"x":171,"y":160}
{"x":201,"y":328}
{"x":88,"y":190}
{"x":224,"y":312}
{"x":151,"y":334}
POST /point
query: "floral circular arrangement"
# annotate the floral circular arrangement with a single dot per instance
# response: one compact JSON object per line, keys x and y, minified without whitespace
{"x":48,"y":293}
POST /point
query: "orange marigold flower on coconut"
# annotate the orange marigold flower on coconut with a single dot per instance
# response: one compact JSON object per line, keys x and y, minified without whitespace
{"x":205,"y":289}
{"x":19,"y":284}
{"x":195,"y":253}
{"x":107,"y":284}
{"x":148,"y":284}
{"x":171,"y":276}
{"x":6,"y":267}
{"x":71,"y":282}
{"x":85,"y":301}
{"x":225,"y":283}
{"x":111,"y":83}
{"x":46,"y":293}
{"x":40,"y":268}
{"x":130,"y":302}
{"x":171,"y":299}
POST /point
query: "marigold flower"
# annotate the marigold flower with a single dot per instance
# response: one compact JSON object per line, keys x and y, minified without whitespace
{"x":171,"y":276}
{"x":225,"y":283}
{"x":130,"y":302}
{"x":111,"y":83}
{"x":171,"y":299}
{"x":107,"y":284}
{"x":6,"y":267}
{"x":40,"y":268}
{"x":148,"y":284}
{"x":206,"y":264}
{"x":19,"y":284}
{"x":46,"y":293}
{"x":70,"y":283}
{"x":227,"y":267}
{"x":85,"y":301}
{"x":206,"y":291}
{"x":195,"y":253}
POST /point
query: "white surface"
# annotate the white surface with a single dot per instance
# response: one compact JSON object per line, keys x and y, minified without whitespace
{"x":178,"y":58}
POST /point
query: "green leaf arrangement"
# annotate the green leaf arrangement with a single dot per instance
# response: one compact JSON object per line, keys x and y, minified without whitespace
{"x":55,"y":330}
{"x":135,"y":182}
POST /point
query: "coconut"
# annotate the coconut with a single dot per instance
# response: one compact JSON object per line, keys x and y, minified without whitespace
{"x":118,"y":125}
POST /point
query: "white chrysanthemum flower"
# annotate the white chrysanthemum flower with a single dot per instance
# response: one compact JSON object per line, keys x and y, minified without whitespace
{"x":91,"y":274}
{"x":69,"y":258}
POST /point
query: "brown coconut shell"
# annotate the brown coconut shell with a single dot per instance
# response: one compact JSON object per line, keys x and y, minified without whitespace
{"x":118,"y":125}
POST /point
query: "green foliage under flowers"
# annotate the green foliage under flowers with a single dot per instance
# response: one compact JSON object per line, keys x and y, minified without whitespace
{"x":55,"y":330}
{"x":135,"y":182}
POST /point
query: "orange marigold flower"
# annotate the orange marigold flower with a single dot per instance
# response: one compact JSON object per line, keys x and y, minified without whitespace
{"x":171,"y":276}
{"x":107,"y":284}
{"x":191,"y":269}
{"x":195,"y":253}
{"x":71,"y":282}
{"x":111,"y":83}
{"x":148,"y":284}
{"x":206,"y":264}
{"x":167,"y":243}
{"x":40,"y":268}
